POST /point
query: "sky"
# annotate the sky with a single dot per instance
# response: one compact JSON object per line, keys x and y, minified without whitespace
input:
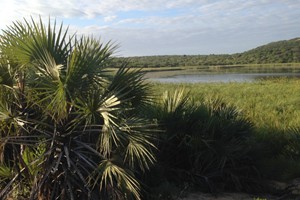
{"x":167,"y":27}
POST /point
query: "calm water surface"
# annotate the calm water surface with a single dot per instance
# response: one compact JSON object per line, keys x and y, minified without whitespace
{"x":236,"y":77}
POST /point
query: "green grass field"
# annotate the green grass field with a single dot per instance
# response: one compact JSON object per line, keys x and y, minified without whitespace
{"x":269,"y":104}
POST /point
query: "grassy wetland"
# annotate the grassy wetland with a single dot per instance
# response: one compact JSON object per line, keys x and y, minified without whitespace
{"x":271,"y":107}
{"x":269,"y":104}
{"x":225,"y":136}
{"x":82,"y":130}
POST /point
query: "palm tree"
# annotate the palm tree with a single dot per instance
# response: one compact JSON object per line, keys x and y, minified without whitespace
{"x":68,"y":129}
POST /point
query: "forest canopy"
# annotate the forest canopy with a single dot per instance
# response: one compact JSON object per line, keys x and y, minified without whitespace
{"x":285,"y":51}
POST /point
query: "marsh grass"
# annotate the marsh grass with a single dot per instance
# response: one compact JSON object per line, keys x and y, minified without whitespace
{"x":269,"y":104}
{"x":273,"y":106}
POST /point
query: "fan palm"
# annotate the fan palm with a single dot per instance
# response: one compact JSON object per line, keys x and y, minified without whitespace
{"x":68,"y":130}
{"x":206,"y":143}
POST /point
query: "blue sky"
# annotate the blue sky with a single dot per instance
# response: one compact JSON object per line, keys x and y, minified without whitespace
{"x":161,"y":27}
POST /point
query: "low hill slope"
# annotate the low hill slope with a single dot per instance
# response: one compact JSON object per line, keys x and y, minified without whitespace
{"x":285,"y":51}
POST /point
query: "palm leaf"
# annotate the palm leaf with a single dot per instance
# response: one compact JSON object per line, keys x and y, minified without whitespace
{"x":6,"y":74}
{"x":111,"y":175}
{"x":138,"y":152}
{"x":129,"y":86}
{"x":55,"y":93}
{"x":86,"y":64}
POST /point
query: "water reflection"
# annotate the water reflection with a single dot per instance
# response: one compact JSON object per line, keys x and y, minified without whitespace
{"x":225,"y":78}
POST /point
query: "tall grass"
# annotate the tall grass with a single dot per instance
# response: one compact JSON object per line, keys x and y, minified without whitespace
{"x":272,"y":106}
{"x":269,"y":104}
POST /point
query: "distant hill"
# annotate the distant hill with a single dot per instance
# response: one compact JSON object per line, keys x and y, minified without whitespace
{"x":285,"y":51}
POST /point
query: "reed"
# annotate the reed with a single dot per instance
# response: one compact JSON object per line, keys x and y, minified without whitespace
{"x":269,"y":104}
{"x":272,"y":106}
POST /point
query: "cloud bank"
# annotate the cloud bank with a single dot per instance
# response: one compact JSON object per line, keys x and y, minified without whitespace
{"x":159,"y":27}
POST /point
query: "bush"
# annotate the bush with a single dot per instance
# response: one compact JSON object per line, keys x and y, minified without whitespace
{"x":67,"y":130}
{"x":278,"y":154}
{"x":205,"y":144}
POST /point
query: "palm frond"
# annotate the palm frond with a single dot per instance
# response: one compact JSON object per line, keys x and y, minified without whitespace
{"x":86,"y":63}
{"x":24,"y":41}
{"x":138,"y":152}
{"x":51,"y":96}
{"x":129,"y":86}
{"x":6,"y":73}
{"x":176,"y":102}
{"x":6,"y":172}
{"x":55,"y":94}
{"x":111,"y":175}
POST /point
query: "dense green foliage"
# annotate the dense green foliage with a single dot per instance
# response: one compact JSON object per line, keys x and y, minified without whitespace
{"x":236,"y":143}
{"x":287,"y":51}
{"x":273,"y":108}
{"x":71,"y":130}
{"x":68,"y":131}
{"x":269,"y":104}
{"x":206,"y":144}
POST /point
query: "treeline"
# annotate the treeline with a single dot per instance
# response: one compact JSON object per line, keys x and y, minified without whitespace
{"x":286,"y":51}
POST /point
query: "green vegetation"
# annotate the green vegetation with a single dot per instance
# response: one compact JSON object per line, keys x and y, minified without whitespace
{"x":67,"y":130}
{"x":269,"y":104}
{"x":229,"y":137}
{"x":287,"y":51}
{"x":249,"y":68}
{"x":72,"y":128}
{"x":205,"y":144}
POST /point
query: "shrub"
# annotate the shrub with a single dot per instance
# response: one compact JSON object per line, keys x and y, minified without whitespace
{"x":67,"y":130}
{"x":206,"y":144}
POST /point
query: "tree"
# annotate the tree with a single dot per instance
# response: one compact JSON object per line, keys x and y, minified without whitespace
{"x":68,"y":129}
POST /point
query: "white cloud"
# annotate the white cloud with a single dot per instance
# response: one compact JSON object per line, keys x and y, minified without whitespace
{"x":169,"y":26}
{"x":110,"y":18}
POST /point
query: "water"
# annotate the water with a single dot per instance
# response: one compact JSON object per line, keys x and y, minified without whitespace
{"x":225,"y":78}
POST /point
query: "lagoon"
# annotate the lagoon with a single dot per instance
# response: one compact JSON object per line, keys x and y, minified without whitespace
{"x":224,"y":77}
